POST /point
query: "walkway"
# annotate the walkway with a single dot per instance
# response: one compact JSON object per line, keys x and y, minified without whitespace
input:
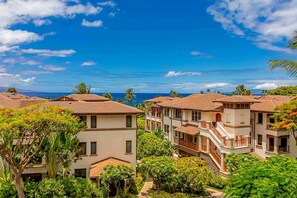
{"x":215,"y":193}
{"x":148,"y":184}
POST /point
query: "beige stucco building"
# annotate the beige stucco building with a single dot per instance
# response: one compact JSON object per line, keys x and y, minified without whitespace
{"x":109,"y":137}
{"x":214,"y":125}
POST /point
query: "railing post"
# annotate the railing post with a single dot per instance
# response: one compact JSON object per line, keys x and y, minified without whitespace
{"x":232,"y":142}
{"x":222,"y":162}
{"x":199,"y":143}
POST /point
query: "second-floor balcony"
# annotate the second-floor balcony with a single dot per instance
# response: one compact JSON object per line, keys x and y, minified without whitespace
{"x":184,"y":143}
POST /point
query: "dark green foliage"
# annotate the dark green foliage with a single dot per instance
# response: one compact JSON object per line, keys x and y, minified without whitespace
{"x":149,"y":144}
{"x":237,"y":161}
{"x":59,"y":188}
{"x":82,"y":88}
{"x":241,"y":90}
{"x":7,"y":189}
{"x":108,"y":95}
{"x":174,"y":94}
{"x":130,"y":96}
{"x":284,"y":90}
{"x":11,"y":90}
{"x":140,"y":123}
{"x":275,"y":177}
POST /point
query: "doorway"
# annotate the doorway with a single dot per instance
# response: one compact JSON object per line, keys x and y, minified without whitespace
{"x":218,"y":117}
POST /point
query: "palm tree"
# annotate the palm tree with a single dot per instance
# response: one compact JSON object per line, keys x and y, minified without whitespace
{"x":130,"y":96}
{"x":108,"y":95}
{"x":174,"y":94}
{"x":82,"y":88}
{"x":241,"y":90}
{"x":64,"y":150}
{"x":11,"y":90}
{"x":288,"y":65}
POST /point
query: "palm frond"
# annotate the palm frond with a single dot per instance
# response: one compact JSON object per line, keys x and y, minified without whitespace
{"x":293,"y":42}
{"x":289,"y":66}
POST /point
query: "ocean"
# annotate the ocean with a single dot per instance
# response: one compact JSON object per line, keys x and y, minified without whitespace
{"x":140,"y":97}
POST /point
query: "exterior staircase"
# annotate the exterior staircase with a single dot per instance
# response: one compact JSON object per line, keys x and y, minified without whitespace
{"x":209,"y":162}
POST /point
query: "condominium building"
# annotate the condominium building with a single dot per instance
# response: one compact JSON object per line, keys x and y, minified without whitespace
{"x":109,"y":137}
{"x":214,"y":125}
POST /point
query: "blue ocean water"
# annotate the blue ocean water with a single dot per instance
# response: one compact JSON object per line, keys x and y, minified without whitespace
{"x":140,"y":97}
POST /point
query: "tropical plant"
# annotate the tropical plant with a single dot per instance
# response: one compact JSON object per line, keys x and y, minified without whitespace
{"x":241,"y":90}
{"x":148,"y":144}
{"x":284,"y":90}
{"x":82,"y":88}
{"x":23,"y":133}
{"x":119,"y":100}
{"x":288,"y":65}
{"x":286,"y":118}
{"x":174,"y":94}
{"x":114,"y":174}
{"x":63,"y":151}
{"x":11,"y":90}
{"x":108,"y":95}
{"x":237,"y":161}
{"x":130,"y":96}
{"x":5,"y":172}
{"x":160,"y":169}
{"x":275,"y":177}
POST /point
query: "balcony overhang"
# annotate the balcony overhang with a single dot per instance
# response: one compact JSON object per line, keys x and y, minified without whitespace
{"x":188,"y":129}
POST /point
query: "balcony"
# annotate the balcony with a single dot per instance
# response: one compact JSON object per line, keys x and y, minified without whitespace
{"x":185,"y":143}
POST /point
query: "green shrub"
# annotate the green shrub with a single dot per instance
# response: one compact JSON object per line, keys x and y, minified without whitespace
{"x":51,"y":188}
{"x":7,"y":189}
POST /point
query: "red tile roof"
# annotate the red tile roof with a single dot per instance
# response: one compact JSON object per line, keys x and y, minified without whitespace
{"x":188,"y":129}
{"x":97,"y":168}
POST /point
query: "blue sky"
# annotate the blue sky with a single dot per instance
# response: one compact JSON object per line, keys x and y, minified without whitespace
{"x":149,"y":45}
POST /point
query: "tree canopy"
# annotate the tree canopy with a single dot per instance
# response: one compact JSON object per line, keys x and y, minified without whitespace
{"x":288,"y":65}
{"x":286,"y":118}
{"x":114,"y":174}
{"x":149,"y":144}
{"x":130,"y":95}
{"x":274,"y":177}
{"x":174,"y":94}
{"x":11,"y":90}
{"x":82,"y":88}
{"x":284,"y":90}
{"x":24,"y":132}
{"x":241,"y":90}
{"x":108,"y":95}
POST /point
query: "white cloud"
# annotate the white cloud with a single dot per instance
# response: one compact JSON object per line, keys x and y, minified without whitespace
{"x":200,"y":54}
{"x":266,"y":22}
{"x":23,"y":11}
{"x":49,"y":53}
{"x":34,"y":72}
{"x":266,"y":86}
{"x":2,"y":69}
{"x":14,"y":37}
{"x":277,"y":82}
{"x":40,"y":22}
{"x":13,"y":79}
{"x":178,"y":73}
{"x":217,"y":85}
{"x":112,"y":14}
{"x":188,"y":86}
{"x":88,"y":63}
{"x":97,"y":23}
{"x":52,"y":68}
{"x":107,"y":3}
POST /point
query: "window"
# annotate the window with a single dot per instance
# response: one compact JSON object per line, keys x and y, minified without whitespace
{"x":196,"y":116}
{"x":80,"y":173}
{"x":176,"y":133}
{"x":260,"y":118}
{"x":228,"y":118}
{"x":178,"y":113}
{"x":166,"y":128}
{"x":128,"y":121}
{"x":242,"y":119}
{"x":93,"y":148}
{"x":166,"y":112}
{"x":93,"y":122}
{"x":83,"y":148}
{"x":128,"y":146}
{"x":259,"y":140}
{"x":83,"y":119}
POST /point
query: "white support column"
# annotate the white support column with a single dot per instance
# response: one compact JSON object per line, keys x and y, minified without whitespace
{"x":207,"y":145}
{"x":150,"y":125}
{"x":275,"y":144}
{"x":199,"y":143}
{"x":222,"y":162}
